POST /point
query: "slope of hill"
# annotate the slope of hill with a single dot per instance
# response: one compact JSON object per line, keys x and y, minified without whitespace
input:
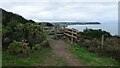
{"x":9,"y":16}
{"x":17,"y":30}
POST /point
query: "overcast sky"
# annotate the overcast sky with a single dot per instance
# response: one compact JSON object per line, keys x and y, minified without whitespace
{"x":103,"y":11}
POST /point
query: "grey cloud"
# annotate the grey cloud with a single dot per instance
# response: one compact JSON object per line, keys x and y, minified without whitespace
{"x":64,"y":11}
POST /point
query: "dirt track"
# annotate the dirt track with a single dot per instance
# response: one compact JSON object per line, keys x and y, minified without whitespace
{"x":58,"y":47}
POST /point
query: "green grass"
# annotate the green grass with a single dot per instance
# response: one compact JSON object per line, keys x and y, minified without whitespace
{"x":91,"y":59}
{"x":35,"y":59}
{"x":49,"y":37}
{"x":54,"y":60}
{"x":0,"y":58}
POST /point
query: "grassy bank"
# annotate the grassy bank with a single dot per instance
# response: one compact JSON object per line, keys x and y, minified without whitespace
{"x":91,"y":59}
{"x":45,"y":57}
{"x":36,"y":58}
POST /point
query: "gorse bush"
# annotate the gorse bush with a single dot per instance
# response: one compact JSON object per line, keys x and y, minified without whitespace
{"x":20,"y":36}
{"x":29,"y":31}
{"x":14,"y":47}
{"x":45,"y":43}
{"x":37,"y":47}
{"x":92,"y":40}
{"x":6,"y":30}
{"x":18,"y":48}
{"x":90,"y":33}
{"x":15,"y":27}
{"x":110,"y":48}
{"x":113,"y":47}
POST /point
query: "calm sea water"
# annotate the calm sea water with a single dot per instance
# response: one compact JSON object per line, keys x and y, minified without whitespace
{"x":112,"y":28}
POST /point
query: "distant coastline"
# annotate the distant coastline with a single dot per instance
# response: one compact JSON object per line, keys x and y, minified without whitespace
{"x":104,"y":26}
{"x":76,"y":23}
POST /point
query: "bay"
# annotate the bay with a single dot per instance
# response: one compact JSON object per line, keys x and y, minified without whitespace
{"x":112,"y":28}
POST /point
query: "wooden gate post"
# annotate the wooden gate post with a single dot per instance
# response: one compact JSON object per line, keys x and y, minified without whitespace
{"x":72,"y":37}
{"x":102,"y":39}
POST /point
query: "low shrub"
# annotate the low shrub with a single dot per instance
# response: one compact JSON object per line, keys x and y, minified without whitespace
{"x":91,"y":39}
{"x":37,"y":47}
{"x":18,"y":48}
{"x":110,"y":48}
{"x":45,"y":43}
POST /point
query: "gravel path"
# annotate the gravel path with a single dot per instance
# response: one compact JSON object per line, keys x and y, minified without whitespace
{"x":58,"y":47}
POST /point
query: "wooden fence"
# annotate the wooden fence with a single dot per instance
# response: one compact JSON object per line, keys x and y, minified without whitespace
{"x":71,"y":33}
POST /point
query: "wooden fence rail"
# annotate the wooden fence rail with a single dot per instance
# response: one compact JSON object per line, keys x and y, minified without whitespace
{"x":71,"y":33}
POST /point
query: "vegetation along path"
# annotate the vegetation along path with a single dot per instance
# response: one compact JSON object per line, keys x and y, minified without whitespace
{"x":59,"y":49}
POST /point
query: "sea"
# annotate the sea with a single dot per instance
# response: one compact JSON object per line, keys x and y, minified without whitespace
{"x":112,"y":28}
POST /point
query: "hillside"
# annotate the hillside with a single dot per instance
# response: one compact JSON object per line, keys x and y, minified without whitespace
{"x":18,"y":31}
{"x":24,"y":43}
{"x":9,"y":16}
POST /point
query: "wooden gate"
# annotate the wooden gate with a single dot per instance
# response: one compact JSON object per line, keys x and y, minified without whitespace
{"x":72,"y":33}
